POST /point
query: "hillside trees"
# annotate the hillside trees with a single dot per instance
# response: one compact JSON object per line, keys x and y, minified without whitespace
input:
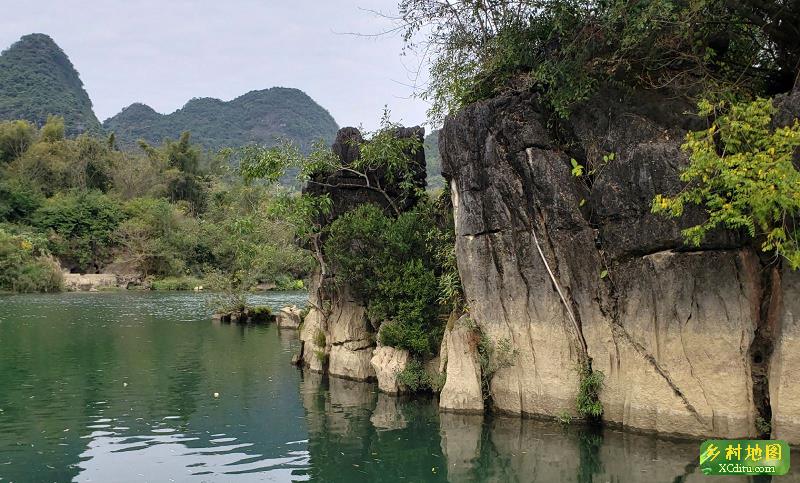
{"x":159,"y":213}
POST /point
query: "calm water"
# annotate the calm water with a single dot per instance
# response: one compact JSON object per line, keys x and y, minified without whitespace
{"x":116,"y":387}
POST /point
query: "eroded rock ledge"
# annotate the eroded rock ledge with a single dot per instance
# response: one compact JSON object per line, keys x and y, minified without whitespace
{"x":692,"y":341}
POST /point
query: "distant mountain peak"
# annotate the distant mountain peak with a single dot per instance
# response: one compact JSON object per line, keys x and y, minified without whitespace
{"x":38,"y":79}
{"x":259,"y":116}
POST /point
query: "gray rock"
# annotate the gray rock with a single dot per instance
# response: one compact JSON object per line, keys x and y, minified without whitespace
{"x":289,"y":318}
{"x":576,"y":270}
{"x":462,"y":389}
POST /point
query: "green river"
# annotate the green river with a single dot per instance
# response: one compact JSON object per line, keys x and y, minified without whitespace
{"x":118,"y":387}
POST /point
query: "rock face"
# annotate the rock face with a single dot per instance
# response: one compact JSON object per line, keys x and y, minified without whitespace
{"x":388,"y":362}
{"x":694,"y":341}
{"x":89,"y":282}
{"x":289,"y":318}
{"x":462,"y":388}
{"x":337,"y":338}
{"x":784,"y":367}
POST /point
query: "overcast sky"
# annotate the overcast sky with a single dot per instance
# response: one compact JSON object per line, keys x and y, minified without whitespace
{"x":164,"y":52}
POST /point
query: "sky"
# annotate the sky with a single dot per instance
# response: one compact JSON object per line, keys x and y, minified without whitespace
{"x":165,"y":52}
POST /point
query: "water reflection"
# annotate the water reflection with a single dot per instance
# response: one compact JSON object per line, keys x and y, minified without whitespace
{"x":357,"y":434}
{"x":119,"y":387}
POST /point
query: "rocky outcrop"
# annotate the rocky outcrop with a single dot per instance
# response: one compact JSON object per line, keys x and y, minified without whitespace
{"x":337,"y":337}
{"x":259,"y":314}
{"x":462,"y":388}
{"x":577,"y":271}
{"x":388,"y":363}
{"x":289,"y":318}
{"x":784,"y":367}
{"x":89,"y":282}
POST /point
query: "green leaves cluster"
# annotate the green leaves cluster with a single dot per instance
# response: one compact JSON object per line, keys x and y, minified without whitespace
{"x":26,"y":265}
{"x":588,"y":402}
{"x":493,"y":356}
{"x":416,"y":379}
{"x":742,"y":174}
{"x":81,"y":227}
{"x":395,"y":266}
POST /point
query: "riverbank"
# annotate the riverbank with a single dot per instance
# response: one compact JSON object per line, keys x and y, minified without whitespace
{"x":75,"y":282}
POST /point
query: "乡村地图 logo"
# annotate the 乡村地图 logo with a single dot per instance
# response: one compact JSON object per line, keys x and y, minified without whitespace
{"x":744,"y":457}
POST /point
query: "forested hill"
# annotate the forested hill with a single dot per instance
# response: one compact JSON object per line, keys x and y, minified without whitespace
{"x":433,"y":161}
{"x":38,"y":79}
{"x":258,"y":116}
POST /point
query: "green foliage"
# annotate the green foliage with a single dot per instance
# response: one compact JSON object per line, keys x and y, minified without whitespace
{"x":568,"y":49}
{"x":157,"y":238}
{"x":185,"y":181}
{"x":416,"y":379}
{"x":53,"y":164}
{"x":260,"y":117}
{"x":433,"y":162}
{"x":155,"y":213}
{"x":285,"y":282}
{"x":248,"y":239}
{"x":577,"y":169}
{"x":394,"y":155}
{"x":259,"y":314}
{"x":492,"y":357}
{"x":588,"y":402}
{"x":53,"y":129}
{"x":19,"y":199}
{"x":15,"y":138}
{"x":381,"y":152}
{"x":37,"y":80}
{"x":81,"y":227}
{"x":394,"y":265}
{"x":742,"y":174}
{"x":270,"y":164}
{"x":25,"y":265}
{"x":228,"y":297}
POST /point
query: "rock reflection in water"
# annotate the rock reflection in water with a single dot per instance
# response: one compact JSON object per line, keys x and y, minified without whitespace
{"x":358,"y":434}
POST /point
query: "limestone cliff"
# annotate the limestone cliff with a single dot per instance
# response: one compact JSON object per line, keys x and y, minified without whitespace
{"x":694,"y":341}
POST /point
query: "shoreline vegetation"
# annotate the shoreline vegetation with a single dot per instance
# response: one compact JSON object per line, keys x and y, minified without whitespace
{"x":168,"y":217}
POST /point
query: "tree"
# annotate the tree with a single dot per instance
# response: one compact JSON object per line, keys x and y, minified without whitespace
{"x":81,"y":227}
{"x":53,"y":129}
{"x":742,"y":173}
{"x":568,"y":49}
{"x":185,"y":181}
{"x":15,"y":138}
{"x":385,"y":164}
